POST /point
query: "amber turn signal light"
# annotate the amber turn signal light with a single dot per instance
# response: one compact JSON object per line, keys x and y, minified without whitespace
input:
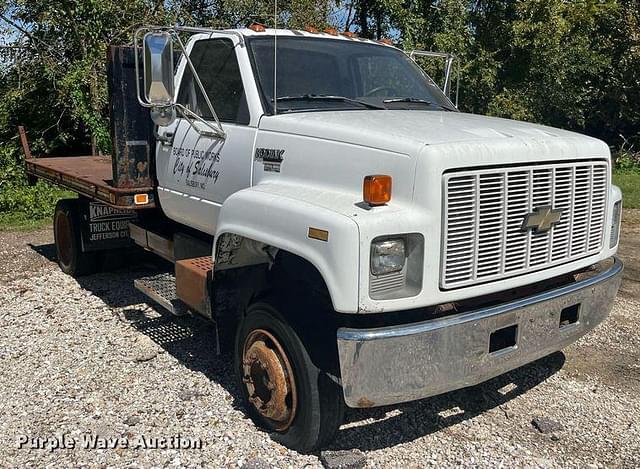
{"x":258,"y":28}
{"x":141,"y":199}
{"x":376,"y":189}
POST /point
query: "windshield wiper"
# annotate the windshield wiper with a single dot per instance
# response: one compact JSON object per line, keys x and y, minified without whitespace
{"x":326,"y":97}
{"x":417,"y":101}
{"x":407,"y":100}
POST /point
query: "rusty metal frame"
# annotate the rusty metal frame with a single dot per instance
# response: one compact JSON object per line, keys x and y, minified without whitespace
{"x":25,"y":142}
{"x":113,"y":196}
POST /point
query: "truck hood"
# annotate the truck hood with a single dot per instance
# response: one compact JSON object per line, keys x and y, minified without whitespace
{"x":334,"y":150}
{"x":402,"y":130}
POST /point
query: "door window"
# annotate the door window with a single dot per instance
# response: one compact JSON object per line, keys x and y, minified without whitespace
{"x":217,"y":66}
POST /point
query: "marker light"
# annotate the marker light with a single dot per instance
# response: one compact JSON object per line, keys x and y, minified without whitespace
{"x":332,"y":31}
{"x":311,"y":29}
{"x":376,"y":189}
{"x":141,"y":199}
{"x":258,"y":28}
{"x":615,"y":224}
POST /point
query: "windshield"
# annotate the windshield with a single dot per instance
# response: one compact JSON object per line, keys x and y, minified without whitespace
{"x":325,"y":74}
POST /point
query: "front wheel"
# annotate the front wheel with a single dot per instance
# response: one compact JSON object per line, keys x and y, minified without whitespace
{"x":283,"y":390}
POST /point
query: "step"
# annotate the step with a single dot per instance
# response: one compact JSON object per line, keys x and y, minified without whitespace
{"x":193,"y":279}
{"x":161,"y":288}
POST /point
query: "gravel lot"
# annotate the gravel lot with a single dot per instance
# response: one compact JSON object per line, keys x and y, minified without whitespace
{"x":93,"y":358}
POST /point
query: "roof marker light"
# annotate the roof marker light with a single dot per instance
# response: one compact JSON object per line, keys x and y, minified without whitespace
{"x":332,"y":31}
{"x":311,"y":29}
{"x":258,"y":28}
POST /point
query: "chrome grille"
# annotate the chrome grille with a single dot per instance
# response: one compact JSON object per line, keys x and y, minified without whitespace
{"x":483,"y":238}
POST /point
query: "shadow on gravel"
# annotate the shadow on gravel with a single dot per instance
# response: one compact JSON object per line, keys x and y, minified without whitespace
{"x":114,"y":284}
{"x":192,"y":341}
{"x":45,"y":250}
{"x":413,"y":420}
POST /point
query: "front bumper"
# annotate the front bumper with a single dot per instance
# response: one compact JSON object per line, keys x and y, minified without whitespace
{"x":396,"y":364}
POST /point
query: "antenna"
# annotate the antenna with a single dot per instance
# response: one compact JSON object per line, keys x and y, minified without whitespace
{"x":275,"y":58}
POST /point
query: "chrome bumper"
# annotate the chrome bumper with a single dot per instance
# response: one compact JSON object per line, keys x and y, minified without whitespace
{"x":396,"y":364}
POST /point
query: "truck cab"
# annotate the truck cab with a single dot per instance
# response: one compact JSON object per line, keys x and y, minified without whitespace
{"x":369,"y":243}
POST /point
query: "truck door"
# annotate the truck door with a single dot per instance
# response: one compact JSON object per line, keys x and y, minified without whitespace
{"x":196,"y":173}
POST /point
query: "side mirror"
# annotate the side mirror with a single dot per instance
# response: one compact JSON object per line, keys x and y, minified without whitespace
{"x":158,"y":68}
{"x":158,"y":90}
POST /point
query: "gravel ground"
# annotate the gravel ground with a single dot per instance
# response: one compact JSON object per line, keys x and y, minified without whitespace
{"x":92,"y":358}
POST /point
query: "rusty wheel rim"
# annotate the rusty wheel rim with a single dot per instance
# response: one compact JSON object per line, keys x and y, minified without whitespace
{"x":63,"y":239}
{"x":268,"y":379}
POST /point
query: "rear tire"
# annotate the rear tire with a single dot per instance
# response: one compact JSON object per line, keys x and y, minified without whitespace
{"x":66,"y":231}
{"x":313,"y":409}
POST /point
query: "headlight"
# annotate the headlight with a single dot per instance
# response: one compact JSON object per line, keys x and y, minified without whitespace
{"x":615,"y":224}
{"x":387,"y":256}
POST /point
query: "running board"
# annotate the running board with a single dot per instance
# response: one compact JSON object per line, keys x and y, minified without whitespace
{"x":161,"y":288}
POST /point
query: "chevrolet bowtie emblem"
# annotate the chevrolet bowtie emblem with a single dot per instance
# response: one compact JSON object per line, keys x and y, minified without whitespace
{"x":542,"y":219}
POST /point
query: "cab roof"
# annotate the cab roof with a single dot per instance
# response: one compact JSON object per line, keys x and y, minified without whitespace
{"x":333,"y":34}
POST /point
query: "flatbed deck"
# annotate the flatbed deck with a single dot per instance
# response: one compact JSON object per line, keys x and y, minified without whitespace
{"x":91,"y":176}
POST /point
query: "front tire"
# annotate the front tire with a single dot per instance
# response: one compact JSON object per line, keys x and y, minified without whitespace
{"x":283,"y":390}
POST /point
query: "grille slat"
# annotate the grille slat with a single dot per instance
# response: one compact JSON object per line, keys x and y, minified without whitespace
{"x":485,"y":209}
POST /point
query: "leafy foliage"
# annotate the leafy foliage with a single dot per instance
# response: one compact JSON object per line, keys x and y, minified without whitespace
{"x":21,"y":204}
{"x":629,"y":182}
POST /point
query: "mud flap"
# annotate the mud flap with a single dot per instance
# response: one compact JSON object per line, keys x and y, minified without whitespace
{"x":104,"y":227}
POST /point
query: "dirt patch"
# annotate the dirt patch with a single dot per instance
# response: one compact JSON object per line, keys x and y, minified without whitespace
{"x":25,"y":253}
{"x":611,"y":354}
{"x":629,"y":252}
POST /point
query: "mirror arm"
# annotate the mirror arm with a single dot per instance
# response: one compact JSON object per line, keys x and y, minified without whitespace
{"x":447,"y":76}
{"x":192,"y":117}
{"x":457,"y":81}
{"x":136,"y":52}
{"x":449,"y":59}
{"x":200,"y":85}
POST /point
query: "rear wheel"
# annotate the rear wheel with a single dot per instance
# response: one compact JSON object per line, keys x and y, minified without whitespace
{"x":66,"y":230}
{"x":283,"y":390}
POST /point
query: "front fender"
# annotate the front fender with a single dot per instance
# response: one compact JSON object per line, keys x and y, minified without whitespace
{"x":280,"y":217}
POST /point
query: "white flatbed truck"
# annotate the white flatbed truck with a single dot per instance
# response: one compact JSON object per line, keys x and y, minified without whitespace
{"x":368,"y":243}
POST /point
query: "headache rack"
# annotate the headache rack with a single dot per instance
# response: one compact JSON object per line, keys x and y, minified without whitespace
{"x":125,"y":179}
